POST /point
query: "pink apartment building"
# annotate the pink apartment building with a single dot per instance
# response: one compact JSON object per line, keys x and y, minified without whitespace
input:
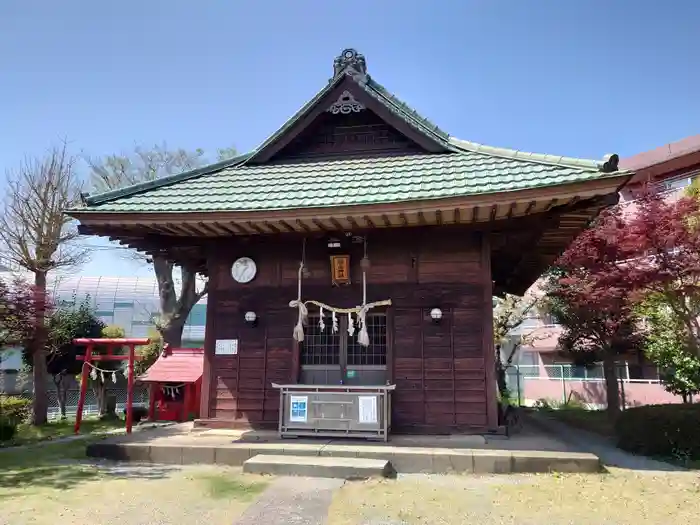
{"x":545,"y":373}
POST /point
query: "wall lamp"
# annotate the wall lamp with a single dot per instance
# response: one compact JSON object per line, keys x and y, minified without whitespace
{"x":251,"y":318}
{"x":436,"y":315}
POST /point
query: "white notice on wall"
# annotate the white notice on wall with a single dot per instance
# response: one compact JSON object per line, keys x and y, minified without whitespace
{"x":368,"y":409}
{"x":226,"y":347}
{"x":298,"y":409}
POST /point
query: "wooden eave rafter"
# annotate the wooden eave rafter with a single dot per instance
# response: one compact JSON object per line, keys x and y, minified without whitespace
{"x":521,"y":249}
{"x":477,"y":209}
{"x":520,"y":262}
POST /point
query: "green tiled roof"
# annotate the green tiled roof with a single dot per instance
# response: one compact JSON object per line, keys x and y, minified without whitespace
{"x":343,"y":182}
{"x":464,"y":169}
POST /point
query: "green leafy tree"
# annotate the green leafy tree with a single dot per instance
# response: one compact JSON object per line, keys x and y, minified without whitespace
{"x":148,"y":354}
{"x":666,"y":346}
{"x":146,"y":164}
{"x":66,"y":323}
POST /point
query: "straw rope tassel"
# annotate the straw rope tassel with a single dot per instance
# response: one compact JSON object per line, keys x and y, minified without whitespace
{"x":363,"y":336}
{"x":303,"y":312}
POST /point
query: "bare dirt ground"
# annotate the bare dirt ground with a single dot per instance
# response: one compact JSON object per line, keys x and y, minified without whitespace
{"x":620,"y":498}
{"x":108,"y":494}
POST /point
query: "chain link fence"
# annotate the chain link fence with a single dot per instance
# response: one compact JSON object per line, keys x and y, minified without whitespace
{"x":566,"y":383}
{"x":91,"y":406}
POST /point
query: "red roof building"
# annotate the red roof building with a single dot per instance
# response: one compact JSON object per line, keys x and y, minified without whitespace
{"x":175,"y":384}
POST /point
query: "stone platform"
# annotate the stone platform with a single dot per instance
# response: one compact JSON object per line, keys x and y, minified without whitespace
{"x":319,"y":466}
{"x":526,"y":452}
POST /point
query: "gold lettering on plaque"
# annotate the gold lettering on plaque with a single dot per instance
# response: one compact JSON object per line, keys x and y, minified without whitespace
{"x":340,"y":269}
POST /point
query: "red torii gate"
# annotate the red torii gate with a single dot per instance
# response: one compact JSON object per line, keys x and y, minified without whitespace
{"x":110,"y":344}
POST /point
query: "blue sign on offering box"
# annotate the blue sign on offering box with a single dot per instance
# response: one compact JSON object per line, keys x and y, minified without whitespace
{"x":298,"y":409}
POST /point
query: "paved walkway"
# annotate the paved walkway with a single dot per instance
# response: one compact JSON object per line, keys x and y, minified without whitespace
{"x":292,"y":501}
{"x":608,"y":453}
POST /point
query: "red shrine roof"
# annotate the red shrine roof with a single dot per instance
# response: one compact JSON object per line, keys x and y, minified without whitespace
{"x":182,"y":365}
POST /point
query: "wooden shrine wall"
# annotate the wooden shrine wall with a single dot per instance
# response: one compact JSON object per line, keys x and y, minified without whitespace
{"x":439,"y":369}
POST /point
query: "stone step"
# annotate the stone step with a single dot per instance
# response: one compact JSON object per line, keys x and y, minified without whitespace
{"x":318,"y":466}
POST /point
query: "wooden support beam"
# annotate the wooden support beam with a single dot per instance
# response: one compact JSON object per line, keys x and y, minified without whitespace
{"x":303,"y":226}
{"x":192,"y":230}
{"x":175,"y":228}
{"x":319,"y":225}
{"x":287,"y":226}
{"x":530,"y":206}
{"x":404,"y":219}
{"x":336,"y":224}
{"x":238,"y":228}
{"x":369,"y":222}
{"x":208,"y":229}
{"x":386,"y":221}
{"x":551,"y":204}
{"x":475,"y":213}
{"x":353,"y":222}
{"x":494,"y":210}
{"x":457,"y":215}
{"x":255,"y":228}
{"x":438,"y":217}
{"x":228,"y":228}
{"x":271,"y":227}
{"x":511,"y":209}
{"x":421,"y":219}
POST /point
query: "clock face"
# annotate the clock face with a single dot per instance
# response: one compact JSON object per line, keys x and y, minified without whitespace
{"x":243,"y":270}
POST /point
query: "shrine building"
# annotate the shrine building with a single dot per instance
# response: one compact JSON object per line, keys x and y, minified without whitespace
{"x":358,"y":247}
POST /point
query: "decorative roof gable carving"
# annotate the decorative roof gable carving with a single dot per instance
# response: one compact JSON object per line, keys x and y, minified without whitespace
{"x":345,"y":104}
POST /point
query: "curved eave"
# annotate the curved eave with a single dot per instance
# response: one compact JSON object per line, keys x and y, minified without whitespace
{"x":480,"y":208}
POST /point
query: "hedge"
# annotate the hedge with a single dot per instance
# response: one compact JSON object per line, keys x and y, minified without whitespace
{"x":660,"y":430}
{"x":13,"y":411}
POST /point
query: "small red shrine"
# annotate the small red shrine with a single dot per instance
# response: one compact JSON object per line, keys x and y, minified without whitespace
{"x":175,"y":383}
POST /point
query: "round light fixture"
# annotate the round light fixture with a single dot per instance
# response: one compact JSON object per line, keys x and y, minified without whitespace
{"x":436,"y":314}
{"x":250,"y":317}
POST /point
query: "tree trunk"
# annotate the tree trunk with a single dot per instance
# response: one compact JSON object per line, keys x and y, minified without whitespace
{"x":40,"y":404}
{"x":173,"y":309}
{"x":171,"y":332}
{"x":61,"y":394}
{"x":612,"y":388}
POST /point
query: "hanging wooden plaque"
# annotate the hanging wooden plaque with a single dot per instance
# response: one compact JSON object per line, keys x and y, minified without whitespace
{"x":340,"y":269}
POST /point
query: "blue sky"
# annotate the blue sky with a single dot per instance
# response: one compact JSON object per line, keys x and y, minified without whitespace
{"x":579,"y":78}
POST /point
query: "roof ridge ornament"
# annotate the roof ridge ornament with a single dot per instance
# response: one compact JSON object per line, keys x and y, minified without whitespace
{"x":611,"y":163}
{"x":345,"y":104}
{"x":352,"y":64}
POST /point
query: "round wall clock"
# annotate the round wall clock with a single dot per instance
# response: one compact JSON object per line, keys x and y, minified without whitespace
{"x":244,"y":270}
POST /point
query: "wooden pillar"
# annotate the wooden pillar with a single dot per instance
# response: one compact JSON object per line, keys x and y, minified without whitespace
{"x":186,"y":400}
{"x":487,"y":342}
{"x":152,"y":389}
{"x":130,"y":390}
{"x":208,"y":365}
{"x":83,"y":388}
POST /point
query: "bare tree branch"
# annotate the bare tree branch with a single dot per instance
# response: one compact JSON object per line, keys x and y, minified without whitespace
{"x":37,"y":236}
{"x":146,"y":164}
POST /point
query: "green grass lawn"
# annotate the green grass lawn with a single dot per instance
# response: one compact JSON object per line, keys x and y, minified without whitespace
{"x":50,"y":465}
{"x":29,"y":434}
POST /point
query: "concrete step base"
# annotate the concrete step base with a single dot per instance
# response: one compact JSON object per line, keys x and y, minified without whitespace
{"x":319,"y":466}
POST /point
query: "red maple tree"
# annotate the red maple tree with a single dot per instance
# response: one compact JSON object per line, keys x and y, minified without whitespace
{"x":18,"y":306}
{"x":651,"y":246}
{"x":666,"y":235}
{"x":591,"y":296}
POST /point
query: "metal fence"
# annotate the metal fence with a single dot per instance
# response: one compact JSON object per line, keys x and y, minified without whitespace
{"x":91,"y":406}
{"x":557,"y":384}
